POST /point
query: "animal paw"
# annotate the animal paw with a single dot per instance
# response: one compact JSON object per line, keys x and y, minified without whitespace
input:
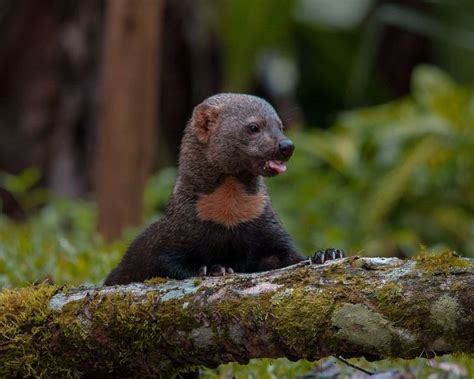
{"x":322,"y":256}
{"x":215,"y":270}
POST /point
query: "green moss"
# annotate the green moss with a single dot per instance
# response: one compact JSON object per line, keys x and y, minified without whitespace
{"x":441,"y":263}
{"x":120,"y":330}
{"x":406,"y":310}
{"x":409,"y":312}
{"x":389,"y":293}
{"x":156,"y":280}
{"x":260,"y":314}
{"x":336,"y":272}
{"x":303,"y":276}
{"x":248,"y":310}
{"x":418,"y":309}
{"x":101,"y":332}
{"x":458,"y":286}
{"x":24,"y":341}
{"x":293,"y":306}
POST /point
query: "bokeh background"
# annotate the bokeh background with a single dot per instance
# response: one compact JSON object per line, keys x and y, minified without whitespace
{"x":94,"y":96}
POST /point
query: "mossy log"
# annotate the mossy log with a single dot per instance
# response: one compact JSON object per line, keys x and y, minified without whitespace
{"x":372,"y":307}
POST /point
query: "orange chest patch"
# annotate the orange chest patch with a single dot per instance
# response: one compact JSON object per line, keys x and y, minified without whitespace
{"x":230,"y":204}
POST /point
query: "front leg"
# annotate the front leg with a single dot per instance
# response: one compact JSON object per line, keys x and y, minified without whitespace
{"x":283,"y":259}
{"x":277,"y":250}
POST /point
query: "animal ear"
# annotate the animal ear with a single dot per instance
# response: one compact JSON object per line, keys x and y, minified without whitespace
{"x":204,"y":121}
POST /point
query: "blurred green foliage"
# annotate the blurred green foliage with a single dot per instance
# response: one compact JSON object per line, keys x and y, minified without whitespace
{"x":336,"y":49}
{"x":267,"y":26}
{"x":60,"y":243}
{"x":387,"y":179}
{"x":27,"y":194}
{"x":382,"y":181}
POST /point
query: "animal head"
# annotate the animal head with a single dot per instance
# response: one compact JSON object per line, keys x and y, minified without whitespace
{"x":242,"y":133}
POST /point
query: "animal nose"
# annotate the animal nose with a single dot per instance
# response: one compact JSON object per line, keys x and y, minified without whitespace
{"x":286,"y":148}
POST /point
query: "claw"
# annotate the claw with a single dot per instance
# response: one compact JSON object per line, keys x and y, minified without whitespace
{"x":321,"y":256}
{"x":215,"y":270}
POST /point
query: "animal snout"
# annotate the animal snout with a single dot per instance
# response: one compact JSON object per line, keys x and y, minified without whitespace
{"x":286,"y":148}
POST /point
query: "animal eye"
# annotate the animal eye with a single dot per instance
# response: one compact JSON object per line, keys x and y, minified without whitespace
{"x":253,"y":128}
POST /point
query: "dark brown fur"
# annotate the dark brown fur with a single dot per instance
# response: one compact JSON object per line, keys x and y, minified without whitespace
{"x":219,"y":213}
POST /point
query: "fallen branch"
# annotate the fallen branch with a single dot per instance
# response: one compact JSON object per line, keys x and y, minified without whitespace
{"x":372,"y":307}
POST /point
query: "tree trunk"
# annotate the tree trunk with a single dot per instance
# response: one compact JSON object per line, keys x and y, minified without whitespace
{"x":372,"y":307}
{"x":129,"y":113}
{"x":48,"y":69}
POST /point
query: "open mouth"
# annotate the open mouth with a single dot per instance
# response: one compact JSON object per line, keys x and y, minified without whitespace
{"x":274,"y":167}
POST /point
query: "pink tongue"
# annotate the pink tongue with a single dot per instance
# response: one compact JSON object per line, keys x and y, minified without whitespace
{"x":278,"y":167}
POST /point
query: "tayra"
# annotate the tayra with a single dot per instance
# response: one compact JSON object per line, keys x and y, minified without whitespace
{"x":220,"y":219}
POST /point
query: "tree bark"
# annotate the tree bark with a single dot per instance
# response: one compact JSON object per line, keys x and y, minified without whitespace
{"x":372,"y":307}
{"x":130,"y":101}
